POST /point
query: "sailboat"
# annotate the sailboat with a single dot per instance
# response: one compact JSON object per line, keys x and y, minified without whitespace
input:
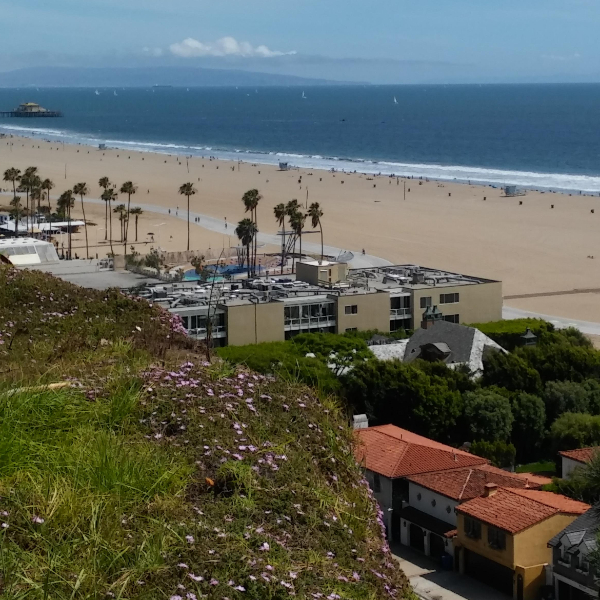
{"x":97,"y":93}
{"x":304,"y":96}
{"x":395,"y":101}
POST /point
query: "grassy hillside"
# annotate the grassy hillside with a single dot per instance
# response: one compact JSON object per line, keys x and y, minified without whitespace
{"x":156,"y":475}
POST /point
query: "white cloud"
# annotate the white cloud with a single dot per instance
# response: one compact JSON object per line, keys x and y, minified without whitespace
{"x":226,"y":46}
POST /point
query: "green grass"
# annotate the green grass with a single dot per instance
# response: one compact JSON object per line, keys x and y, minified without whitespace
{"x":547,"y":467}
{"x":153,"y":476}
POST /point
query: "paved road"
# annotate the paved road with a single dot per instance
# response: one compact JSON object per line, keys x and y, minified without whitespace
{"x":358,"y":260}
{"x":430,"y":582}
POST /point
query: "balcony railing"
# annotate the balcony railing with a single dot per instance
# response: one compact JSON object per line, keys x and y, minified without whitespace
{"x":400,"y":313}
{"x":200,"y":332}
{"x":309,"y":322}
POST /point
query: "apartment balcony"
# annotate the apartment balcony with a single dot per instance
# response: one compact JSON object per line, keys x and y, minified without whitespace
{"x":304,"y":323}
{"x":400,"y":313}
{"x":200,"y":332}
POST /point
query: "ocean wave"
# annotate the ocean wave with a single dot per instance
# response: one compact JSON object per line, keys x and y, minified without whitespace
{"x":477,"y":175}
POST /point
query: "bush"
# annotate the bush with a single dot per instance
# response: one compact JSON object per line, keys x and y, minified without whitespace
{"x":500,"y":454}
{"x":507,"y":333}
{"x":510,"y":371}
{"x":529,"y":427}
{"x":575,"y":430}
{"x":565,"y":396}
{"x":488,"y":415}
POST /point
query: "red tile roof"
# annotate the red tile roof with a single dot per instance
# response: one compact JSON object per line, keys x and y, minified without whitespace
{"x":469,"y":482}
{"x":582,"y":455}
{"x":514,"y":510}
{"x":395,"y":452}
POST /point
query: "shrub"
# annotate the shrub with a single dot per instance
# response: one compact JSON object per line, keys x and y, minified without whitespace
{"x":529,"y":427}
{"x":510,"y":371}
{"x":500,"y":454}
{"x":488,"y":415}
{"x":575,"y":430}
{"x":565,"y":396}
{"x":507,"y":333}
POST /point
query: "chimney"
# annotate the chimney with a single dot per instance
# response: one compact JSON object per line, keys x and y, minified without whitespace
{"x":490,"y":490}
{"x":360,"y":421}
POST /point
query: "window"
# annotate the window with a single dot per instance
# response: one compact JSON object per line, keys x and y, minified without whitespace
{"x":449,"y":298}
{"x":584,"y":565}
{"x":351,"y":309}
{"x":425,"y":301}
{"x":419,"y":496}
{"x":452,"y":318}
{"x":433,"y":503}
{"x":448,"y":509}
{"x":376,"y":483}
{"x":496,"y":538}
{"x":472,"y":528}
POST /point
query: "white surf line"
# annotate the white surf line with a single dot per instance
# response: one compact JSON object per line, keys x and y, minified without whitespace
{"x":359,"y":260}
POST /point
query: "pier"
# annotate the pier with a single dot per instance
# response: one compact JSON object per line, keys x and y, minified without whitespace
{"x":30,"y":110}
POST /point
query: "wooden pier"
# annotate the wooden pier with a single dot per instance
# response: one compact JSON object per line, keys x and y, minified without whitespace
{"x":30,"y":110}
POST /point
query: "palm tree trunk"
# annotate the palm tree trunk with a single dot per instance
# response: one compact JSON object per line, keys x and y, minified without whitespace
{"x":106,"y":220}
{"x":300,"y":236}
{"x":110,"y":227}
{"x":321,"y":228}
{"x":136,"y":229}
{"x":283,"y":248}
{"x":49,"y":209}
{"x":188,"y":219}
{"x":127,"y":223}
{"x":87,"y":249}
{"x":248,"y":253}
{"x":27,"y":213}
{"x":69,"y":226}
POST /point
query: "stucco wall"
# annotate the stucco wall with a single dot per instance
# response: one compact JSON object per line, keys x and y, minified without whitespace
{"x":373,"y":312}
{"x":439,"y":511}
{"x":568,"y":466}
{"x":254,"y":323}
{"x":478,"y":303}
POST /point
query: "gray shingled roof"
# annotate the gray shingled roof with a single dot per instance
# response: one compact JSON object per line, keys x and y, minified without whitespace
{"x":458,"y":338}
{"x":582,"y":529}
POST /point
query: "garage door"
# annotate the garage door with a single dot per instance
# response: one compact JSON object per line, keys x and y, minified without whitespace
{"x":417,"y":538}
{"x":437,"y":547}
{"x":489,"y":572}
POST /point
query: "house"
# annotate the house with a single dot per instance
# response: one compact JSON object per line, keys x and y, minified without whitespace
{"x":390,"y":455}
{"x":428,"y":522}
{"x":573,"y":574}
{"x":571,"y":459}
{"x":502,"y":537}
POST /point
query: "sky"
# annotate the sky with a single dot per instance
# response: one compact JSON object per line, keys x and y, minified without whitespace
{"x":381,"y":41}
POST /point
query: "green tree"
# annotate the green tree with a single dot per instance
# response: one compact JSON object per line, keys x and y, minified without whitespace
{"x":246,"y":230}
{"x":397,"y":393}
{"x":280,"y":214}
{"x":121,"y":211}
{"x":13,"y":176}
{"x":187,"y":190}
{"x":28,"y":183}
{"x":110,"y":195}
{"x":489,"y":415}
{"x":250,"y":200}
{"x":16,"y":211}
{"x":47,"y":186}
{"x":499,"y":453}
{"x":136,"y":212}
{"x":130,"y":189}
{"x":510,"y":371}
{"x":565,"y":396}
{"x":575,"y":430}
{"x":529,"y":427}
{"x":105,"y":184}
{"x":315,"y":213}
{"x":81,"y":190}
{"x":297,"y":221}
{"x":64,"y":205}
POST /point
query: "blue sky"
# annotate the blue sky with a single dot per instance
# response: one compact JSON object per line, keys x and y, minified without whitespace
{"x":388,"y":41}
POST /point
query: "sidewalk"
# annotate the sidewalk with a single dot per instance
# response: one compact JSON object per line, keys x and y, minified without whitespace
{"x":430,"y":582}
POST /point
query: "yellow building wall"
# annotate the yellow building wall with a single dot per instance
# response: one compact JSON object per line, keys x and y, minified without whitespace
{"x":526,"y":553}
{"x":478,"y":303}
{"x":255,"y":323}
{"x":373,"y":312}
{"x":326,"y":273}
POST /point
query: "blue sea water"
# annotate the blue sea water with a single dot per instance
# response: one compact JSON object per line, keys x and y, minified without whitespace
{"x":538,"y":136}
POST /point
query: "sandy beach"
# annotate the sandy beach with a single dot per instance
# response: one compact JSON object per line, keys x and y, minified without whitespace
{"x":536,"y":245}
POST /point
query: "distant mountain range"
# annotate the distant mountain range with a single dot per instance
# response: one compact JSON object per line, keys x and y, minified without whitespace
{"x":148,"y":76}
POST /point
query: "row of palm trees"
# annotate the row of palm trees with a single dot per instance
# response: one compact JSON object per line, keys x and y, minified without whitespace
{"x":36,"y":190}
{"x":247,"y":229}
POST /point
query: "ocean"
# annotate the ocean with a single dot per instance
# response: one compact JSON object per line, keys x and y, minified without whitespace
{"x":535,"y":136}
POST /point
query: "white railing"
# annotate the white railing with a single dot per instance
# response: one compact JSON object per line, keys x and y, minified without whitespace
{"x":400,"y":312}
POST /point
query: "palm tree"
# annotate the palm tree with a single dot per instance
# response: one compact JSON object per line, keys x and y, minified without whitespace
{"x":246,"y":230}
{"x":280,"y":215}
{"x":136,"y":211}
{"x":121,"y":211}
{"x":13,"y":175}
{"x":109,"y":195}
{"x":27,"y":184}
{"x":65,"y":204}
{"x":81,"y":189}
{"x":297,"y":221}
{"x":47,"y":185}
{"x":15,"y":212}
{"x":129,"y":189}
{"x":188,"y":189}
{"x":251,"y":199}
{"x":291,"y":208}
{"x":315,"y":213}
{"x":104,"y":183}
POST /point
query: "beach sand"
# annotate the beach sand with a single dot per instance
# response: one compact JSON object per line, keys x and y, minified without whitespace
{"x":531,"y":247}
